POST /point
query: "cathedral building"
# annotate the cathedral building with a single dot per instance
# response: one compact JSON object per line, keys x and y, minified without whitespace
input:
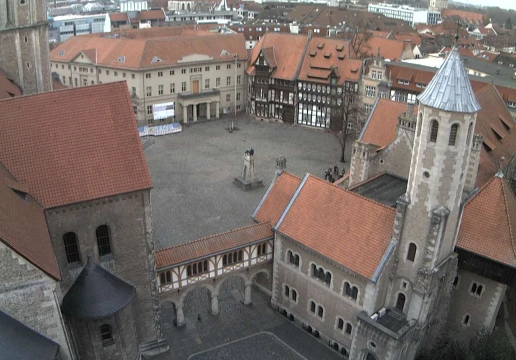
{"x":419,"y":243}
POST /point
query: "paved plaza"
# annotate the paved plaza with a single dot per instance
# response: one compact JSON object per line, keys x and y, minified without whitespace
{"x":192,"y":173}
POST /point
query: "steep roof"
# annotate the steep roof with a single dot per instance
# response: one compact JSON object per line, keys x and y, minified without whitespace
{"x":495,"y":236}
{"x":450,"y":89}
{"x":19,"y":342}
{"x":7,"y":88}
{"x":213,"y":244}
{"x":140,"y":52}
{"x":23,"y":226}
{"x":346,"y":228}
{"x":96,"y":294}
{"x":118,"y":17}
{"x":276,"y":199}
{"x":288,"y":52}
{"x":467,"y":16}
{"x":389,"y":49}
{"x":83,"y":146}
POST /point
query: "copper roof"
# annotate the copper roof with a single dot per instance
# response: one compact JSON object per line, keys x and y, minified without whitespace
{"x":23,"y":226}
{"x":212,"y":244}
{"x":495,"y":236}
{"x":450,"y":89}
{"x":351,"y":230}
{"x":83,"y":146}
{"x":276,"y":199}
{"x":139,"y":53}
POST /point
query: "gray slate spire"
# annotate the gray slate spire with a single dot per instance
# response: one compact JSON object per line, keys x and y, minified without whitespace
{"x":450,"y":89}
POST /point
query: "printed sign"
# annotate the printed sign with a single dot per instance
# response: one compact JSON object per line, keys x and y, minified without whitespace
{"x":163,"y":111}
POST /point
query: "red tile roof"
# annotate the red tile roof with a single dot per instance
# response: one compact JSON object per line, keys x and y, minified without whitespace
{"x":466,"y":16}
{"x":288,"y":52}
{"x":83,"y":146}
{"x":277,"y":198}
{"x":347,"y":228}
{"x":389,"y":49}
{"x":495,"y":236}
{"x":151,"y":15}
{"x":381,"y":128}
{"x":23,"y":226}
{"x":213,"y":244}
{"x":7,"y":88}
{"x":118,"y":17}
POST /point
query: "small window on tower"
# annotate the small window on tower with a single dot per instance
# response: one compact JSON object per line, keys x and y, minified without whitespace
{"x":453,"y":134}
{"x":434,"y":130}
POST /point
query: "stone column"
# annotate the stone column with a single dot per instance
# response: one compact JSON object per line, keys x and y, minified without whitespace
{"x":180,"y":317}
{"x":194,"y":112}
{"x":217,"y":109}
{"x":185,"y":114}
{"x":214,"y":305}
{"x":247,"y":295}
{"x":208,"y":105}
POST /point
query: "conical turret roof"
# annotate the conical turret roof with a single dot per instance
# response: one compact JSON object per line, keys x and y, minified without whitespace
{"x":450,"y":89}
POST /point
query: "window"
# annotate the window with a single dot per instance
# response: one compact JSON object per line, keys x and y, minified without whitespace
{"x":172,"y":88}
{"x":149,"y":91}
{"x":287,"y":291}
{"x":470,"y":129}
{"x":197,"y":268}
{"x":228,"y":80}
{"x":106,"y":334}
{"x":319,"y":273}
{"x":349,"y":329}
{"x":148,"y":76}
{"x":373,"y":74}
{"x":370,"y":91}
{"x":149,"y":109}
{"x":232,"y":258}
{"x":160,"y":73}
{"x":476,"y":289}
{"x":228,"y":66}
{"x":465,"y":320}
{"x":217,"y":67}
{"x":238,"y":97}
{"x":340,"y":324}
{"x":380,"y":75}
{"x":411,"y":255}
{"x":239,"y":79}
{"x":217,"y":82}
{"x":70,"y":243}
{"x":453,"y":134}
{"x":434,"y":130}
{"x":160,"y":89}
{"x":293,"y":258}
{"x":107,"y":72}
{"x":135,"y":109}
{"x":239,"y":65}
{"x":183,"y":86}
{"x":320,"y":311}
{"x":133,"y":76}
{"x":294,"y":295}
{"x":165,"y":278}
{"x":207,"y":83}
{"x":262,"y":249}
{"x":103,"y":240}
{"x":456,"y":282}
{"x":183,"y":71}
{"x":172,"y":72}
{"x":124,"y":75}
{"x":400,"y":302}
{"x":312,"y":307}
{"x":228,"y":97}
{"x":352,"y":292}
{"x":206,"y":68}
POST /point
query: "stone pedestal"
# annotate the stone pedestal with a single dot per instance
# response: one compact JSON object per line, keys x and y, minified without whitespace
{"x":247,"y":180}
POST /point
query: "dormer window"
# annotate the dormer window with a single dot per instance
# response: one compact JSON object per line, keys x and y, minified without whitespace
{"x":156,"y":59}
{"x":61,"y":53}
{"x":121,"y":59}
{"x":327,"y":55}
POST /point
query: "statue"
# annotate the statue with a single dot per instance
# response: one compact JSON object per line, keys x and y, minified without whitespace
{"x":247,"y":180}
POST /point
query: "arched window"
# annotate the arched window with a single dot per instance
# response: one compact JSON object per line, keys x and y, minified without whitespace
{"x":287,"y":291}
{"x":312,"y":306}
{"x":314,"y":270}
{"x":328,"y":278}
{"x":470,"y":130}
{"x":296,"y":260}
{"x":162,"y":278}
{"x":294,"y":295}
{"x":107,"y":335}
{"x":453,"y":134}
{"x":400,"y":302}
{"x":411,"y":255}
{"x":340,"y":324}
{"x":321,"y":274}
{"x":349,"y":328}
{"x":320,"y":311}
{"x":103,"y":240}
{"x":290,"y":256}
{"x":370,"y":357}
{"x":479,"y":290}
{"x":71,"y":249}
{"x":354,"y":292}
{"x":434,"y":129}
{"x":347,"y":289}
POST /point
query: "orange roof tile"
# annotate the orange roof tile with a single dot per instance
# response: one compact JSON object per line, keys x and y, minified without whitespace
{"x":288,"y":52}
{"x":23,"y":226}
{"x":83,"y":146}
{"x":389,"y":49}
{"x":213,"y":244}
{"x":380,"y":128}
{"x":117,"y":17}
{"x":347,"y":228}
{"x":495,"y":236}
{"x":414,"y":37}
{"x":276,"y":198}
{"x":467,"y":16}
{"x":151,"y":15}
{"x":7,"y":88}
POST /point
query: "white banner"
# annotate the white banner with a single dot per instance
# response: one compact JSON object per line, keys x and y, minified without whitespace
{"x":163,"y":111}
{"x":159,"y":130}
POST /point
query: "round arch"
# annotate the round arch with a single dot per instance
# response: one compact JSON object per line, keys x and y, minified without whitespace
{"x":223,"y":280}
{"x":191,"y":288}
{"x":267,"y":273}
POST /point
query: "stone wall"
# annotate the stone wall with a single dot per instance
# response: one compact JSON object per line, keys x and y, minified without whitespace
{"x":28,"y":295}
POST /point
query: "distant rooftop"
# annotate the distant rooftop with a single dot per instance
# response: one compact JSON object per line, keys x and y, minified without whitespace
{"x":385,"y":189}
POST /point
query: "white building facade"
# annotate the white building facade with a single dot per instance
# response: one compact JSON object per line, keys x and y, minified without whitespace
{"x":407,"y":13}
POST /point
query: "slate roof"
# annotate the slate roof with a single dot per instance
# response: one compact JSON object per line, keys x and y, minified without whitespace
{"x":349,"y":229}
{"x":450,"y":89}
{"x":384,"y":188}
{"x":495,"y":236}
{"x":19,"y":342}
{"x":83,"y":146}
{"x":96,"y":294}
{"x":23,"y":226}
{"x":276,"y":199}
{"x":212,"y":244}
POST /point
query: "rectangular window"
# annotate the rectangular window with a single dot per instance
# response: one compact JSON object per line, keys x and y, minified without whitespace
{"x":133,"y":91}
{"x":217,"y":67}
{"x":207,"y":68}
{"x":70,"y":80}
{"x":123,"y":75}
{"x":133,"y":76}
{"x":373,"y":74}
{"x":76,"y":84}
{"x":171,"y":72}
{"x":228,"y":97}
{"x":238,"y":97}
{"x":64,"y":80}
{"x":370,"y":91}
{"x":183,"y":86}
{"x":148,"y":76}
{"x":172,"y":88}
{"x":183,"y":71}
{"x":239,"y":79}
{"x":206,"y":83}
{"x":149,"y":109}
{"x":148,"y":92}
{"x":160,"y":73}
{"x":228,"y":80}
{"x":160,"y":89}
{"x":135,"y":109}
{"x":107,"y":72}
{"x":239,"y":65}
{"x":228,"y":66}
{"x":116,"y":73}
{"x":217,"y":82}
{"x":380,"y":75}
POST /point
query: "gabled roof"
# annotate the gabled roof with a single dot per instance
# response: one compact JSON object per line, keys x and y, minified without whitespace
{"x":276,"y":199}
{"x":389,"y":49}
{"x":23,"y":226}
{"x":269,"y":57}
{"x":19,"y":342}
{"x":495,"y":236}
{"x":206,"y":246}
{"x":450,"y":89}
{"x":145,"y":15}
{"x":7,"y":88}
{"x":73,"y":153}
{"x":118,"y":17}
{"x":344,"y":227}
{"x":96,"y":294}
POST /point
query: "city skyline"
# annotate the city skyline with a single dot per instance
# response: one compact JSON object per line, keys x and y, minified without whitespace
{"x":500,"y":3}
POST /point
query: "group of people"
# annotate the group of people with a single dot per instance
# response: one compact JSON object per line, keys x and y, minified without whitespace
{"x":334,"y":174}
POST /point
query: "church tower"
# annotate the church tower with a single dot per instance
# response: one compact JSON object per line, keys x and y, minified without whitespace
{"x":431,"y":207}
{"x":438,"y":5}
{"x":25,"y":55}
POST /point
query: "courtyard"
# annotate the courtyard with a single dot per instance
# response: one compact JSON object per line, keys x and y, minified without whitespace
{"x":192,"y":173}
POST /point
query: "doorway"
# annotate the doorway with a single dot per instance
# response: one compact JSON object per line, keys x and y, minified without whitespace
{"x":195,"y":86}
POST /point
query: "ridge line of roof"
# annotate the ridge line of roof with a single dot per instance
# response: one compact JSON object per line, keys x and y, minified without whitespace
{"x":298,"y":190}
{"x":384,"y":259}
{"x":214,"y":235}
{"x":511,"y":235}
{"x":479,"y":190}
{"x":369,"y":119}
{"x":303,"y":54}
{"x":262,"y":200}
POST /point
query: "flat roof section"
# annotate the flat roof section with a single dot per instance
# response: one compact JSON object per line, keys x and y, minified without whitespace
{"x":385,"y":188}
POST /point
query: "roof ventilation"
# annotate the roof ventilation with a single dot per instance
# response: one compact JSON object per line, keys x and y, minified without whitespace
{"x":121,"y":59}
{"x":320,"y":45}
{"x":61,"y":53}
{"x":313,"y":53}
{"x":327,"y":55}
{"x":341,"y":56}
{"x":156,"y":59}
{"x":339,"y":48}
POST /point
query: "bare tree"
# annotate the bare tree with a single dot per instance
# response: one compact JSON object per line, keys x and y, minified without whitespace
{"x":358,"y":35}
{"x":350,"y":118}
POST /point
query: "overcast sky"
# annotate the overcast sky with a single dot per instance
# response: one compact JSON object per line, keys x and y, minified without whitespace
{"x":504,"y":4}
